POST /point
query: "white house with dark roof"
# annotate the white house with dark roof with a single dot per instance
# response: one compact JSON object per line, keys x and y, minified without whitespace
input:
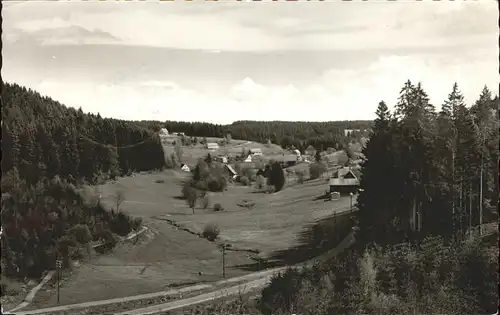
{"x":345,"y":180}
{"x":256,"y":151}
{"x":212,"y":146}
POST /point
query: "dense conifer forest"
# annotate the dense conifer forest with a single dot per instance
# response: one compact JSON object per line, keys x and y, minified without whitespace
{"x":48,"y":152}
{"x":284,"y":133}
{"x":429,"y":180}
{"x":427,"y":172}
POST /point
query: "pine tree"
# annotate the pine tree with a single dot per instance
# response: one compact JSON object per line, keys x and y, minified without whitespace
{"x":374,"y":200}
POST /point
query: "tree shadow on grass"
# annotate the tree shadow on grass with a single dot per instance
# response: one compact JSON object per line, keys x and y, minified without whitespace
{"x":259,"y":192}
{"x":314,"y":240}
{"x":325,"y":197}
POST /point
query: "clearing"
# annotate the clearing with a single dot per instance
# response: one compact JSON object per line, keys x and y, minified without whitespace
{"x":167,"y":256}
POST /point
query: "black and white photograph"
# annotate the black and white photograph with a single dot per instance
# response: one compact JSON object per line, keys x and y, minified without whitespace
{"x":250,"y":157}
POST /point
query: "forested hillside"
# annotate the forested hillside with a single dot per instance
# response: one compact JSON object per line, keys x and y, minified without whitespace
{"x":427,"y":172}
{"x":429,"y":178}
{"x":48,"y":151}
{"x":284,"y":133}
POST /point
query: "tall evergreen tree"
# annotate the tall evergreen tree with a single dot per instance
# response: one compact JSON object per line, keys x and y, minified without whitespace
{"x":374,"y":200}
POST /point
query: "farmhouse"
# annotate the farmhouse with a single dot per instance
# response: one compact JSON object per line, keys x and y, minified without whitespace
{"x":185,"y":168}
{"x":296,"y":152}
{"x":256,"y":151}
{"x":212,"y":146}
{"x":164,"y":132}
{"x":346,"y":180}
{"x":287,"y":160}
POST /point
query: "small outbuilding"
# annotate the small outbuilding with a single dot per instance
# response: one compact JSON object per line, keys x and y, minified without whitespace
{"x":256,"y":152}
{"x":344,"y":181}
{"x":212,"y":146}
{"x":185,"y":168}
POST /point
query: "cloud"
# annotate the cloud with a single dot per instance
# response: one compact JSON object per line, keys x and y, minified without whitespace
{"x":225,"y":62}
{"x":335,"y":94}
{"x":47,"y":34}
{"x":250,"y":27}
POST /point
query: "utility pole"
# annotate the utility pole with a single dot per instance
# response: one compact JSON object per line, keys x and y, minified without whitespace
{"x":350,"y":204}
{"x":223,"y":248}
{"x":58,"y":271}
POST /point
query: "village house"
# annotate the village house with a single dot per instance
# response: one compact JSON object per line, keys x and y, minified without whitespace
{"x":256,"y":152}
{"x":164,"y":132}
{"x":185,"y":168}
{"x":212,"y":146}
{"x":345,"y":180}
{"x":287,"y":160}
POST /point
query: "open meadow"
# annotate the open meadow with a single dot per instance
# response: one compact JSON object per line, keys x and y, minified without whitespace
{"x":253,"y":222}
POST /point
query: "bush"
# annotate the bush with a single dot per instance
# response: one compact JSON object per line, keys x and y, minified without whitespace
{"x":260,"y":182}
{"x":300,"y":177}
{"x":121,"y":224}
{"x":136,"y":224}
{"x":250,"y":173}
{"x":216,"y":183}
{"x":316,"y":169}
{"x":282,"y":292}
{"x":211,"y":231}
{"x":81,"y":233}
{"x":244,"y":180}
{"x":218,"y":207}
{"x":205,"y":202}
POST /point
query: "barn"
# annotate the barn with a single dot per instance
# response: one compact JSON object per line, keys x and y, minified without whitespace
{"x":344,"y":181}
{"x":212,"y":146}
{"x":256,"y":151}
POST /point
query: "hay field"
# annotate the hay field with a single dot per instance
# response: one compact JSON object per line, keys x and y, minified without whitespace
{"x":166,"y":256}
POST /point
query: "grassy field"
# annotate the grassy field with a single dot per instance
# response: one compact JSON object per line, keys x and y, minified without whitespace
{"x":192,"y":153}
{"x":168,"y":256}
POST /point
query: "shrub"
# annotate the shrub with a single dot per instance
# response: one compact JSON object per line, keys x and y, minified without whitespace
{"x":205,"y":202}
{"x":260,"y":182}
{"x":244,"y":180}
{"x":211,"y":231}
{"x":282,"y":292}
{"x":300,"y":177}
{"x":81,"y":233}
{"x":216,"y":183}
{"x":218,"y":207}
{"x":121,"y":224}
{"x":316,"y":169}
{"x":250,"y":173}
{"x":136,"y":223}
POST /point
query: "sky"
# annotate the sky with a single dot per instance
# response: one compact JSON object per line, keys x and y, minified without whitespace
{"x":226,"y":61}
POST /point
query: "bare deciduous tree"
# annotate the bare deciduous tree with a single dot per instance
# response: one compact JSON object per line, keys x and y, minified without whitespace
{"x":191,"y":197}
{"x":119,"y":199}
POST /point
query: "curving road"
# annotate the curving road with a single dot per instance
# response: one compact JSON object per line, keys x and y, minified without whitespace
{"x":249,"y":282}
